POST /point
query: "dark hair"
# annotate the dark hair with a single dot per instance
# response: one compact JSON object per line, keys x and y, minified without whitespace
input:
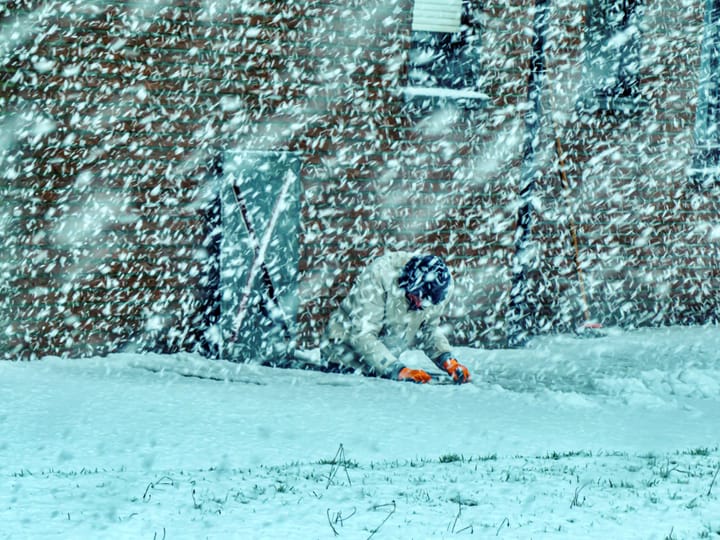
{"x":426,"y":276}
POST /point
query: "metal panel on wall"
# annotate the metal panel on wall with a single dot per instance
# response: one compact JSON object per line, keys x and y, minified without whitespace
{"x":259,"y":255}
{"x":437,"y":15}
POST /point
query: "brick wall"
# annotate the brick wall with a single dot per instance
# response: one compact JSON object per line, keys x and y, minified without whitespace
{"x":113,"y":114}
{"x":645,"y":234}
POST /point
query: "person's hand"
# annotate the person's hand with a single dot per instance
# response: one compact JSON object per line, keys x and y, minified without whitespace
{"x":413,"y":375}
{"x":456,"y":370}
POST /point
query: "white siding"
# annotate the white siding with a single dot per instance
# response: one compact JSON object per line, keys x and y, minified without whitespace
{"x":437,"y":15}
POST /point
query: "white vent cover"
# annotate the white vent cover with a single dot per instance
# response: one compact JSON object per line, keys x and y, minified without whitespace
{"x":437,"y":15}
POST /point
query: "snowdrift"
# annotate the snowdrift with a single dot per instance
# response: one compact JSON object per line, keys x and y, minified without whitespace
{"x":615,"y":437}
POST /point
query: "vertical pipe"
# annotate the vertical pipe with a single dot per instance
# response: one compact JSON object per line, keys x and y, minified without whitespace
{"x":520,"y":322}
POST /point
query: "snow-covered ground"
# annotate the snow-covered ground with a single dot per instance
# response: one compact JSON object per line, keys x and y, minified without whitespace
{"x":614,"y":437}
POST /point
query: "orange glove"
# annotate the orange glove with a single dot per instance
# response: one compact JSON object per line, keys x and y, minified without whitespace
{"x":413,"y":375}
{"x":456,"y":370}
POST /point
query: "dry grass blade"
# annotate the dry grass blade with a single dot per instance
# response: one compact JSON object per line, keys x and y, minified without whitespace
{"x":392,"y":511}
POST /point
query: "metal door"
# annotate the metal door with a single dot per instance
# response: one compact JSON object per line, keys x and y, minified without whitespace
{"x":259,"y":255}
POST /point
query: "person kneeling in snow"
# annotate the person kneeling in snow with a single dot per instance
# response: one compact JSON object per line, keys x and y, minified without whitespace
{"x":394,"y":305}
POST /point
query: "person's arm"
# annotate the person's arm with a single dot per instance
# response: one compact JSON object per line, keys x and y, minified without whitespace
{"x":432,"y":340}
{"x":437,"y":348}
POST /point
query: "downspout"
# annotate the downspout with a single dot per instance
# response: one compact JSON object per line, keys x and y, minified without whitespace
{"x":520,"y":320}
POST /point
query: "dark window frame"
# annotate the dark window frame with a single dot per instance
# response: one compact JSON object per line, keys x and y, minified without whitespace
{"x":611,"y":70}
{"x":448,"y":63}
{"x":705,"y":170}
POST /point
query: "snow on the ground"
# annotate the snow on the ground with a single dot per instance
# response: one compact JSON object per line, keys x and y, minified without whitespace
{"x":614,"y":437}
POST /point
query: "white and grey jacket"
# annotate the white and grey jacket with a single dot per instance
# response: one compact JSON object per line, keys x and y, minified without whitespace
{"x":375,"y":322}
